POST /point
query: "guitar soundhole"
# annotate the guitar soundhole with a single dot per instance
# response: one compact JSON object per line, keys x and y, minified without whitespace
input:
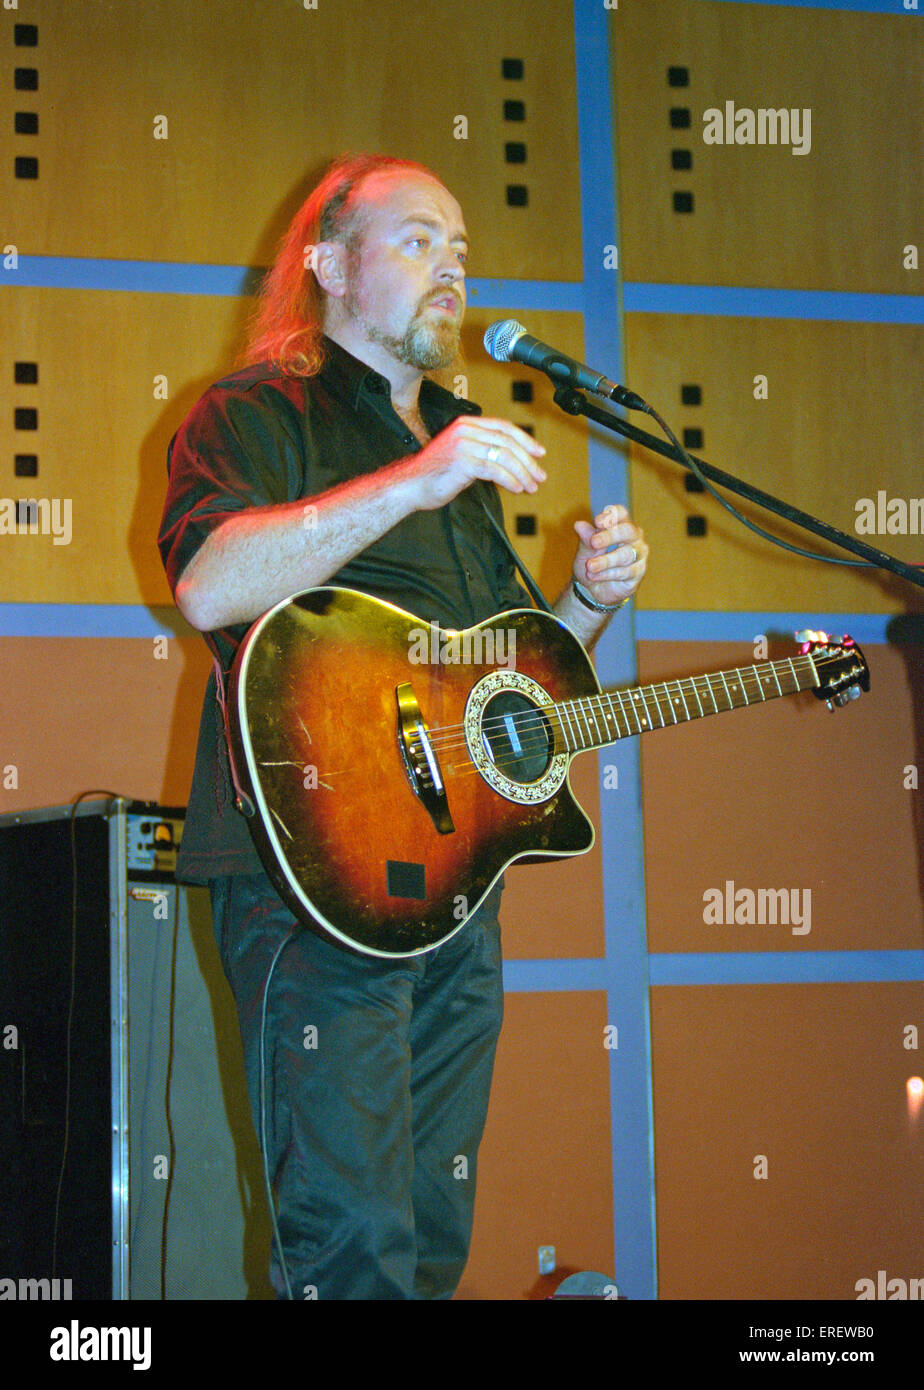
{"x":516,"y":737}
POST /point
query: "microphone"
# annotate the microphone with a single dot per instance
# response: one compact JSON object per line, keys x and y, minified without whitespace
{"x":508,"y":341}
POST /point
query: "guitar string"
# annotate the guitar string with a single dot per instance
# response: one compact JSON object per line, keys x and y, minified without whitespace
{"x":544,"y":741}
{"x":444,"y":737}
{"x":447,"y":739}
{"x":469,"y":767}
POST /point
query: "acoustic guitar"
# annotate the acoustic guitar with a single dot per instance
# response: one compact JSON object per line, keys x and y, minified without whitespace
{"x":392,"y":770}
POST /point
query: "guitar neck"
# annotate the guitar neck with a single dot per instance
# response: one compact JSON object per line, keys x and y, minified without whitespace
{"x":595,"y":721}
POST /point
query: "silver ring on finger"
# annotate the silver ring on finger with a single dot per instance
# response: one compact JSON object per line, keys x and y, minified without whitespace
{"x":634,"y":559}
{"x":493,"y":454}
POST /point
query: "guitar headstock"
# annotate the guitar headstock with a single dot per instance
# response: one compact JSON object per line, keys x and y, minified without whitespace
{"x":841,"y":666}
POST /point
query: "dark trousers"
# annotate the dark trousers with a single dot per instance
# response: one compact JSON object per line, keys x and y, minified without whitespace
{"x":377,"y":1081}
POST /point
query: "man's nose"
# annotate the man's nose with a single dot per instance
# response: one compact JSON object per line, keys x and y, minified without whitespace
{"x":449,"y":268}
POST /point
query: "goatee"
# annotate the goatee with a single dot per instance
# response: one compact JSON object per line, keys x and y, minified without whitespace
{"x":425,"y":346}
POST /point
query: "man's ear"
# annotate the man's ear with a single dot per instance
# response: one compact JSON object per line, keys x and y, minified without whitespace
{"x":328,"y":261}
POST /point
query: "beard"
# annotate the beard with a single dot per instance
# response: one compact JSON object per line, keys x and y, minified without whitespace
{"x":428,"y":343}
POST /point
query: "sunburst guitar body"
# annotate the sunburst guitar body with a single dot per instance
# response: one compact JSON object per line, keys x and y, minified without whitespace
{"x":392,"y":770}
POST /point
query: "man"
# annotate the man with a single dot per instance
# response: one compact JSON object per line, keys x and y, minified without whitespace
{"x":365,"y":1130}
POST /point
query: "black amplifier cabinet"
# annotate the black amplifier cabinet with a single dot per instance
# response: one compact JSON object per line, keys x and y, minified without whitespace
{"x":128,"y":1163}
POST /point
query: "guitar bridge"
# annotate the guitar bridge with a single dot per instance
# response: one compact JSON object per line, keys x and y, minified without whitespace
{"x":420,"y":760}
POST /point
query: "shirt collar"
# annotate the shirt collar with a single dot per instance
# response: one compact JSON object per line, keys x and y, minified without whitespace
{"x":355,"y":379}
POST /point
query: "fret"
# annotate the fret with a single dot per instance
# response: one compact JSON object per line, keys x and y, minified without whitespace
{"x":640,"y":695}
{"x":620,"y":716}
{"x":634,"y":712}
{"x":628,"y":712}
{"x":576,"y":712}
{"x":715,"y":706}
{"x":651,"y":688}
{"x":569,"y":738}
{"x":601,"y":738}
{"x":671,"y":703}
{"x":620,"y":730}
{"x":625,"y":717}
{"x":731,"y":703}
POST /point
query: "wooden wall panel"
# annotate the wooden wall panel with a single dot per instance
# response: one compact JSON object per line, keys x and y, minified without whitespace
{"x":835,"y":218}
{"x":842,"y":421}
{"x":787,"y":795}
{"x":103,"y":434}
{"x":813,"y":1078}
{"x":544,"y":1170}
{"x":259,"y":96}
{"x":81,"y":713}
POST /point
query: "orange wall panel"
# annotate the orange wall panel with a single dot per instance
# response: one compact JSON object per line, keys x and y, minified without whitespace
{"x":787,"y":795}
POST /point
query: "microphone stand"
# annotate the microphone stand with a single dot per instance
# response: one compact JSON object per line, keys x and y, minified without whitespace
{"x":575,"y":402}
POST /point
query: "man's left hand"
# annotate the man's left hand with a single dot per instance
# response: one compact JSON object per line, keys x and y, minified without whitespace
{"x":612,"y":557}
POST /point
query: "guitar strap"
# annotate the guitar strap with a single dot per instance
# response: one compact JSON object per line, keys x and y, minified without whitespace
{"x":241,"y":800}
{"x":538,"y":596}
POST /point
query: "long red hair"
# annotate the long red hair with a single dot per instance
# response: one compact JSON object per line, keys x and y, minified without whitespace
{"x":287,"y":324}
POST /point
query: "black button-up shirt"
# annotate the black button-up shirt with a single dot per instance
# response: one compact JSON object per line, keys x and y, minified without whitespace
{"x":260,"y":437}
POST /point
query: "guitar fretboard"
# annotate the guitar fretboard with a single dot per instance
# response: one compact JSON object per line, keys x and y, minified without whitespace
{"x":593,"y":721}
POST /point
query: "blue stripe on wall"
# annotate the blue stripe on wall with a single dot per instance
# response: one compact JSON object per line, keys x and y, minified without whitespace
{"x":729,"y":301}
{"x":138,"y":277}
{"x":91,"y":620}
{"x":620,"y":827}
{"x":894,"y":7}
{"x":786,"y":967}
{"x":723,"y":968}
{"x":176,"y":277}
{"x":654,"y":625}
{"x":563,"y":296}
{"x":675,"y":625}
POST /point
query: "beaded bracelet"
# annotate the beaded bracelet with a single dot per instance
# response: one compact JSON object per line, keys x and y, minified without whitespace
{"x":581,"y":593}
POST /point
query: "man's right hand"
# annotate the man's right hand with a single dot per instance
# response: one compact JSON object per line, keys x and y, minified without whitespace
{"x":262,"y":554}
{"x":469,"y":448}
